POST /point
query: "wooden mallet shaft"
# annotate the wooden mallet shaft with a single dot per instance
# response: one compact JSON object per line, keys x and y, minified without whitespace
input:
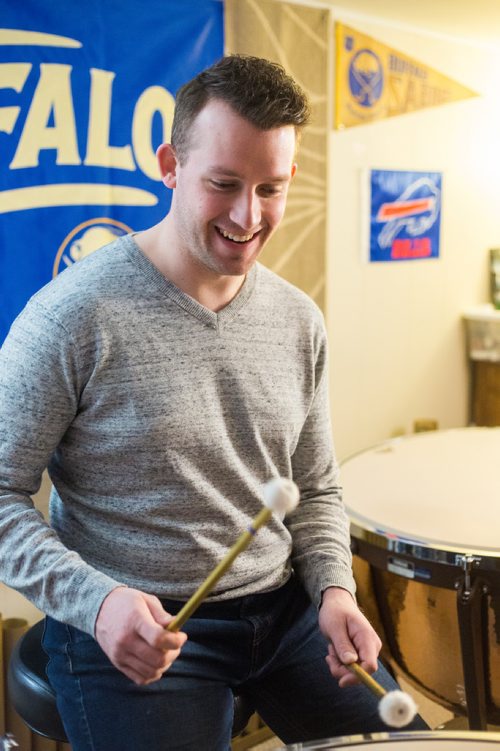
{"x":367,"y":679}
{"x":204,"y":589}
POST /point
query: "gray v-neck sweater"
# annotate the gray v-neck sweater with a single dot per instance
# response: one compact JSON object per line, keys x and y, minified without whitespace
{"x":159,"y":420}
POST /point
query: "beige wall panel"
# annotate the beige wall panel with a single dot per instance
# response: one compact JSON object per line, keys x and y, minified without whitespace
{"x":297,"y":37}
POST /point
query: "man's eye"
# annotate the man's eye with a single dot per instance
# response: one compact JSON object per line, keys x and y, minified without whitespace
{"x":221,"y":185}
{"x":271,"y":190}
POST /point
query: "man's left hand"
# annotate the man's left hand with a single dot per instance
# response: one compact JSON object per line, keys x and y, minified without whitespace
{"x":350,"y":635}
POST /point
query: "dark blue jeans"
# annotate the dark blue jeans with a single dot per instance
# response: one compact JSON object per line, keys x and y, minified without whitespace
{"x":268,"y":645}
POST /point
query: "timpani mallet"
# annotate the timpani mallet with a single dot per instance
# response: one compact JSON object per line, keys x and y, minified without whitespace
{"x":396,"y":708}
{"x":280,"y":496}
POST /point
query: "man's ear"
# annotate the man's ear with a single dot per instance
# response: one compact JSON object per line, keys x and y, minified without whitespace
{"x":294,"y":169}
{"x":167,"y":162}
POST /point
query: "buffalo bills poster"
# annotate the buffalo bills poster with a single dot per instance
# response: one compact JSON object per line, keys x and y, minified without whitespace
{"x":405,"y":214}
{"x":86,"y":96}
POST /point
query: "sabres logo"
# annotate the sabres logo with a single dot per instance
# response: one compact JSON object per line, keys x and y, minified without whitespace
{"x":85,"y":238}
{"x":366,"y":78}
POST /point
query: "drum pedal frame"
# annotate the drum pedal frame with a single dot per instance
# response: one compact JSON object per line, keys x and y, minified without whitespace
{"x":472,"y":619}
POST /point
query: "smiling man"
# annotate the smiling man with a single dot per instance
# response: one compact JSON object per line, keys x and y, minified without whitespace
{"x":230,"y":185}
{"x":163,"y":380}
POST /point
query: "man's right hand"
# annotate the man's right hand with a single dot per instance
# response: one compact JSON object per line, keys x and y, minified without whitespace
{"x":130,"y":629}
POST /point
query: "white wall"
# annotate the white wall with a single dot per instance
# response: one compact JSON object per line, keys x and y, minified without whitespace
{"x":397,"y":340}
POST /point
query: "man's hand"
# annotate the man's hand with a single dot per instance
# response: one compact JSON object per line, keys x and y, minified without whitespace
{"x":130,"y":629}
{"x":351,"y":637}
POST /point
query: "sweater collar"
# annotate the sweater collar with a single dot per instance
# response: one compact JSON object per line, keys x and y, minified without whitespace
{"x":186,"y":302}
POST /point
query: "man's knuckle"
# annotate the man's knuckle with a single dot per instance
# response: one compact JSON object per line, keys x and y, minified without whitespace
{"x":120,"y":643}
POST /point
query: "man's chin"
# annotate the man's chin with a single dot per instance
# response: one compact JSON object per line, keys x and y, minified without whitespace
{"x":238,"y":265}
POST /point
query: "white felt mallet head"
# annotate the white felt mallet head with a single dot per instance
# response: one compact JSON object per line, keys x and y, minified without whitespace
{"x":397,"y":709}
{"x":281,"y":495}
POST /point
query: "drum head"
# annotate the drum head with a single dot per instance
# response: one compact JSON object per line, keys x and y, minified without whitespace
{"x":439,"y":489}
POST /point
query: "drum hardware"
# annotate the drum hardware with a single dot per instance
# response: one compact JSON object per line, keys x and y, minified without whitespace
{"x":471,"y":611}
{"x":472,"y":616}
{"x":447,"y":740}
{"x":8,"y":742}
{"x":468,"y":562}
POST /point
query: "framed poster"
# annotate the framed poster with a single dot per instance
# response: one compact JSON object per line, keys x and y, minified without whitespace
{"x":404,"y":215}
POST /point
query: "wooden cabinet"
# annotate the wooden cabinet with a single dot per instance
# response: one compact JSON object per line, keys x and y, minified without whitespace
{"x":485,"y":396}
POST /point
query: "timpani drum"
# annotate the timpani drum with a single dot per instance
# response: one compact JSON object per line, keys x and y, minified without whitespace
{"x":412,"y":741}
{"x":425,"y":531}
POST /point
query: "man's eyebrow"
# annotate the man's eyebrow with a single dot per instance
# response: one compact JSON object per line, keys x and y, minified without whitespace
{"x":218,"y":170}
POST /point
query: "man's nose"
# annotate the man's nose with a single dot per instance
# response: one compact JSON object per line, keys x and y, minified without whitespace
{"x":246,"y":211}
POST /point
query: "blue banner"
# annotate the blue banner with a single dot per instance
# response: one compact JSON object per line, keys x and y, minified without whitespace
{"x":405,"y":215}
{"x":86,"y":96}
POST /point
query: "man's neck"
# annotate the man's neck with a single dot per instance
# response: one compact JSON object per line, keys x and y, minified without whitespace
{"x":211,"y":290}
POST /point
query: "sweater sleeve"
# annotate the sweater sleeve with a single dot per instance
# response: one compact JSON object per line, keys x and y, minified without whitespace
{"x":321,"y":554}
{"x":40,"y":382}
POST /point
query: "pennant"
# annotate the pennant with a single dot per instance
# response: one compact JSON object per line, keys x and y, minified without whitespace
{"x":374,"y":81}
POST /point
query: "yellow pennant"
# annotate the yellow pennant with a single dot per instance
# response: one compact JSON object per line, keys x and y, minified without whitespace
{"x":374,"y":81}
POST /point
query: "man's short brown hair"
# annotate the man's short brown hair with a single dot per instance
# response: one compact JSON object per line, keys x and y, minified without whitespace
{"x":257,"y":89}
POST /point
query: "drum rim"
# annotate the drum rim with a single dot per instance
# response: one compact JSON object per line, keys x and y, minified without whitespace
{"x":413,"y":735}
{"x":429,"y":550}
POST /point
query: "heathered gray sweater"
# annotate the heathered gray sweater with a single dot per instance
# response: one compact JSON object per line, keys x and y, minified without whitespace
{"x":159,"y":420}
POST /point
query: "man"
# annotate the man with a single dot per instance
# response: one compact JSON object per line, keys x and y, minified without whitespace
{"x":163,"y":380}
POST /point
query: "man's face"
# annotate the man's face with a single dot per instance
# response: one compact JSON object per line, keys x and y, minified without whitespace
{"x":230,"y":193}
